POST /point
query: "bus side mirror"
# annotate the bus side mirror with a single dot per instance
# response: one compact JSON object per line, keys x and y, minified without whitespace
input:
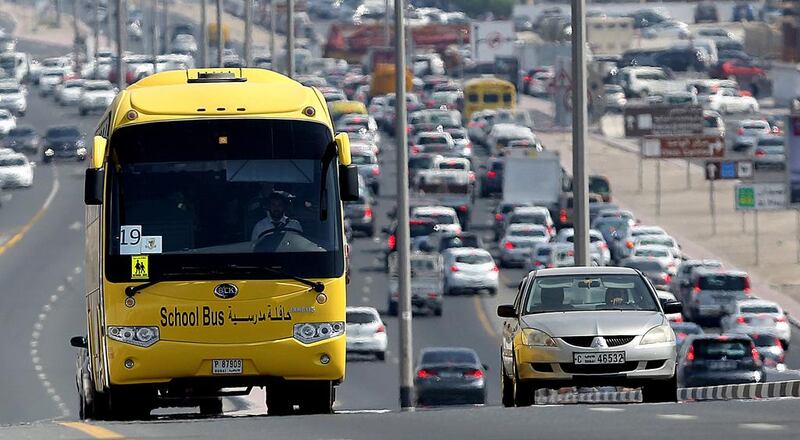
{"x":348,"y":183}
{"x":78,"y":342}
{"x":93,"y":186}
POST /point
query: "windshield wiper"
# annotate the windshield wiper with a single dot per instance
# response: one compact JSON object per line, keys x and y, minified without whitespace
{"x":315,"y":285}
{"x":168,"y":276}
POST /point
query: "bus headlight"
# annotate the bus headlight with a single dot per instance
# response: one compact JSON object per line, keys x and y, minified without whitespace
{"x":139,"y":336}
{"x":317,"y":331}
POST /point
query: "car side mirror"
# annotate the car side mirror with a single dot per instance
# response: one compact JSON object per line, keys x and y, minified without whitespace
{"x":79,"y":342}
{"x":671,"y":307}
{"x":348,"y":183}
{"x":93,"y":186}
{"x":506,"y":311}
{"x":485,"y":367}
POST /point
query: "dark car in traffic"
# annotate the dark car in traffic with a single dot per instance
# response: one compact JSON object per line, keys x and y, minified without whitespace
{"x":22,"y":139}
{"x":708,"y":360}
{"x":360,"y":215}
{"x":63,"y":142}
{"x":654,"y":270}
{"x":449,"y":375}
{"x":491,"y":178}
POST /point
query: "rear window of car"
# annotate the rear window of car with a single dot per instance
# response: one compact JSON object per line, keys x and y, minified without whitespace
{"x":427,"y":140}
{"x":448,"y":357}
{"x":721,"y":349}
{"x":528,"y":233}
{"x":454,"y":242}
{"x":536,"y":219}
{"x":497,"y":166}
{"x":419,"y":229}
{"x":598,"y":185}
{"x":420,"y":162}
{"x":645,"y":266}
{"x":651,"y":253}
{"x":440,"y":219}
{"x":360,"y":318}
{"x":759,"y":309}
{"x":765,"y":340}
{"x":474,"y":259}
{"x":722,"y":282}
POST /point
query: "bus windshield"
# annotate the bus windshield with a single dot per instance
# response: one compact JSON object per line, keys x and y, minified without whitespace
{"x":227,"y":197}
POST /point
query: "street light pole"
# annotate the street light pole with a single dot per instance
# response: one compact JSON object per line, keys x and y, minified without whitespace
{"x":273,"y":44}
{"x":290,"y":38}
{"x":203,"y":34}
{"x":121,"y":35}
{"x":579,"y":134}
{"x":387,"y":30}
{"x":403,"y":236}
{"x":167,"y":35}
{"x":248,"y":32}
{"x":220,"y":43}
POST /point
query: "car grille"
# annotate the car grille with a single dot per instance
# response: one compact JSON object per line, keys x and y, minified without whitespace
{"x":598,"y":369}
{"x":586,"y":341}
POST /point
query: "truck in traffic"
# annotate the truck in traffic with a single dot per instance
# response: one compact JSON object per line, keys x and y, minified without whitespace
{"x":220,"y":267}
{"x":533,"y":177}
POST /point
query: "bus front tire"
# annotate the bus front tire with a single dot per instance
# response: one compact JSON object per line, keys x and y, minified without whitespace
{"x":318,"y":398}
{"x":211,"y":407}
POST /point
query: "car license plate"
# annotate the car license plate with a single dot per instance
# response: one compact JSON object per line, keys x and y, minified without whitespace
{"x":612,"y":357}
{"x":226,"y":366}
{"x":762,"y":322}
{"x":722,"y":365}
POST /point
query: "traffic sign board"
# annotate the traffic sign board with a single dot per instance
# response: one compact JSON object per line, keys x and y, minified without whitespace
{"x":729,"y":169}
{"x":683,"y":147}
{"x":663,"y":120}
{"x":760,"y":196}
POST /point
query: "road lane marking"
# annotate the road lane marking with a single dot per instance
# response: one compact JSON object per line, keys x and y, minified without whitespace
{"x":483,"y":318}
{"x":606,"y":409}
{"x":762,"y":426}
{"x":38,"y":215}
{"x":677,"y":416}
{"x":92,"y":430}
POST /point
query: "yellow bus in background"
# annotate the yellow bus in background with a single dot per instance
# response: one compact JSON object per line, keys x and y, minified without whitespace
{"x":215,"y":250}
{"x":485,"y":93}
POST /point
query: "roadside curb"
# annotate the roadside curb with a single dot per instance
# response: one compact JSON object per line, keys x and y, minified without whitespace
{"x":553,"y":397}
{"x":742,"y":391}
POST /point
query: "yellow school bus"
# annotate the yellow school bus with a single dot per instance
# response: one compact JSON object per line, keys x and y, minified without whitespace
{"x":486,"y":93}
{"x":215,"y":251}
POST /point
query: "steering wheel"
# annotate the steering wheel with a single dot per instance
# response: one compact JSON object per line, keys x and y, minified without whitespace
{"x":281,"y":229}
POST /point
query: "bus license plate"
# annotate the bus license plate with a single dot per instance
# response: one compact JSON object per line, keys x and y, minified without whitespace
{"x":614,"y":357}
{"x":226,"y":366}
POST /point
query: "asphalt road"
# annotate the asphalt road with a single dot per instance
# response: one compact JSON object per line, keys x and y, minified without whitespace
{"x":41,"y":306}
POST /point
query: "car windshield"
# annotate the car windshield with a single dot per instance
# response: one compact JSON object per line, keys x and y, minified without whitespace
{"x":759,"y":309}
{"x":62,"y":132}
{"x":589,"y":292}
{"x":251,"y":193}
{"x":722,"y":282}
{"x":475,"y":258}
{"x":721,"y":349}
{"x":360,"y":318}
{"x":448,"y":357}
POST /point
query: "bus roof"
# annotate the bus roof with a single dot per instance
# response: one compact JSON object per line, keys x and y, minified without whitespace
{"x":487,"y":81}
{"x":220,"y":92}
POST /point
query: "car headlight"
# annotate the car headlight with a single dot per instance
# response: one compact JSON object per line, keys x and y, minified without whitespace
{"x":658,"y":335}
{"x":317,"y":331}
{"x":537,"y":338}
{"x":139,"y":336}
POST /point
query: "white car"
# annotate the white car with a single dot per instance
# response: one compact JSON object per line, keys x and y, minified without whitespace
{"x":662,"y":254}
{"x":643,"y":81}
{"x":748,"y":132}
{"x":659,"y":240}
{"x":713,"y":125}
{"x":16,"y":171}
{"x":366,"y":332}
{"x":184,"y":43}
{"x":638,"y":231}
{"x":445,"y":217}
{"x":470,"y":270}
{"x":520,"y":238}
{"x":7,"y":122}
{"x":667,"y":29}
{"x":96,"y":95}
{"x":596,"y":241}
{"x":729,"y":100}
{"x":13,"y":97}
{"x":49,"y":79}
{"x":758,"y":316}
{"x":69,"y":92}
{"x":715,"y":34}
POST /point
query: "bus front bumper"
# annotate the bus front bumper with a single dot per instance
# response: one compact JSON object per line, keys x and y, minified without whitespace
{"x":261,"y":362}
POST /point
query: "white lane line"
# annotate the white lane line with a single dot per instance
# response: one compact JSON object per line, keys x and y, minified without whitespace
{"x":677,"y":416}
{"x":363,"y":411}
{"x":365,"y":299}
{"x":38,"y":326}
{"x":365,"y":289}
{"x":77,"y":226}
{"x":368,"y":279}
{"x":606,"y":409}
{"x":762,"y":426}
